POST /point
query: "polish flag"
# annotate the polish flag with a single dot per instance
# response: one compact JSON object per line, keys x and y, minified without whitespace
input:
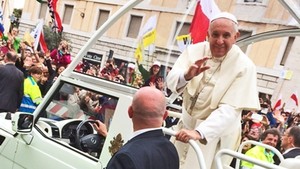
{"x":57,"y":24}
{"x":294,"y":96}
{"x":205,"y":10}
{"x":278,"y":104}
{"x":38,"y":36}
{"x":43,"y":44}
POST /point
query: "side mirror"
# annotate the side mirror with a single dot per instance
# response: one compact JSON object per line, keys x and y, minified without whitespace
{"x":22,"y":122}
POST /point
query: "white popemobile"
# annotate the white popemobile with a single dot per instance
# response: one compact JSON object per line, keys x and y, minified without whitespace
{"x":59,"y":134}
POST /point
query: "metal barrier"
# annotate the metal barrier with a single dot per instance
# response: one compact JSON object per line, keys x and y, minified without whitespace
{"x":193,"y":144}
{"x":243,"y":157}
{"x":273,"y":149}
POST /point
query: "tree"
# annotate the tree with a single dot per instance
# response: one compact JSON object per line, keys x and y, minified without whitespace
{"x":52,"y":39}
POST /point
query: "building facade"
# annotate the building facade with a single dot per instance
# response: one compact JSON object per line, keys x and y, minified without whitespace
{"x":275,"y":58}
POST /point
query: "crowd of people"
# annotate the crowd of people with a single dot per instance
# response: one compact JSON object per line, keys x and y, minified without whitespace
{"x":41,"y":69}
{"x":131,"y":74}
{"x":212,"y":77}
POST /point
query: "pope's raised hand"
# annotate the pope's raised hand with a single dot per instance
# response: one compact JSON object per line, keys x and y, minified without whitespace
{"x":196,"y":68}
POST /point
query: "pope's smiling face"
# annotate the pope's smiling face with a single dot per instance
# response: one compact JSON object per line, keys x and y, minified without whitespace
{"x":221,"y":36}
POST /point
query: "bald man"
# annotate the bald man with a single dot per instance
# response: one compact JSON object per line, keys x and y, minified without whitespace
{"x":148,"y":148}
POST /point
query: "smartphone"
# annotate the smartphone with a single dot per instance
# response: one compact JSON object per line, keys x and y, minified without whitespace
{"x":256,"y":117}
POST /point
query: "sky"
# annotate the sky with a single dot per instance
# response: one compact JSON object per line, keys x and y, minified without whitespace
{"x":19,"y":4}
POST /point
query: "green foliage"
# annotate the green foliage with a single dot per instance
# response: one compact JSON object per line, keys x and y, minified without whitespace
{"x":52,"y":39}
{"x":17,"y":13}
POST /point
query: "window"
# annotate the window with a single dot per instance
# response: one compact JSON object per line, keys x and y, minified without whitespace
{"x":244,"y":34}
{"x":103,"y":16}
{"x":185,"y":29}
{"x":70,"y":106}
{"x":134,"y":26}
{"x":43,"y":10}
{"x":67,"y":14}
{"x":287,"y":50}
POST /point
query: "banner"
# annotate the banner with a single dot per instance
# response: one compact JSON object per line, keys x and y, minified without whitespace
{"x":183,"y":41}
{"x":38,"y":37}
{"x":294,"y":97}
{"x":278,"y":104}
{"x":147,"y":36}
{"x":205,"y":10}
{"x":56,"y":21}
{"x":1,"y":23}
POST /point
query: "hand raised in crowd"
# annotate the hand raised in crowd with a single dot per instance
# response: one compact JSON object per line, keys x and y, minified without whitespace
{"x":160,"y":83}
{"x":151,"y":84}
{"x":47,"y":54}
{"x":247,"y":117}
{"x":196,"y":68}
{"x":265,"y":120}
{"x":278,"y":116}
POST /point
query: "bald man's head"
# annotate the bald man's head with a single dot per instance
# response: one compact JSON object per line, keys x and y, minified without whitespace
{"x":148,"y":106}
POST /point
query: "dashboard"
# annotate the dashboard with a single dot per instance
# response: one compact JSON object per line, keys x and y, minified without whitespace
{"x":64,"y":129}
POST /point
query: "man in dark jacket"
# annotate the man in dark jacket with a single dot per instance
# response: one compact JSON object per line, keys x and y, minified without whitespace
{"x":291,"y":142}
{"x":148,"y":148}
{"x":11,"y":84}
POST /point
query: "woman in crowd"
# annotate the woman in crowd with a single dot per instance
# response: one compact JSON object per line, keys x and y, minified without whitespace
{"x":32,"y":93}
{"x":152,"y":77}
{"x":61,"y":56}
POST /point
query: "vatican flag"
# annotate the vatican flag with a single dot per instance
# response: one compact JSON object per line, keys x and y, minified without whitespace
{"x":138,"y":54}
{"x":183,"y":41}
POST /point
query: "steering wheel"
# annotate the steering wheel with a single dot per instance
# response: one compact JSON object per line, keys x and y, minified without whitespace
{"x":88,"y":143}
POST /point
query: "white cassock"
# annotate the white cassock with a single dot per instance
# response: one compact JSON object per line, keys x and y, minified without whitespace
{"x":226,"y":89}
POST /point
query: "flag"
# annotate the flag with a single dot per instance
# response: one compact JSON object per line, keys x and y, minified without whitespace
{"x":43,"y":44}
{"x":1,"y":23}
{"x":205,"y":10}
{"x":294,"y":97}
{"x":56,"y":21}
{"x":148,"y":32}
{"x":147,"y":36}
{"x":183,"y":41}
{"x":38,"y":36}
{"x":28,"y":39}
{"x":138,"y":54}
{"x":278,"y":104}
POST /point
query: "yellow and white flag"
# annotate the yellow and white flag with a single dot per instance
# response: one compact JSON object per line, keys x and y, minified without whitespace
{"x":183,"y":41}
{"x":138,"y":54}
{"x":147,"y":36}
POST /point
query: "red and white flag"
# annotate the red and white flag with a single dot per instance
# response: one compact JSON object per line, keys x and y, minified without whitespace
{"x":38,"y":36}
{"x":278,"y":104}
{"x":294,"y":97}
{"x":56,"y":21}
{"x":205,"y":10}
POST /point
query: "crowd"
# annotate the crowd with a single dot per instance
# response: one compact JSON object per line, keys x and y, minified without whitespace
{"x":40,"y":70}
{"x":212,"y":77}
{"x":271,"y":127}
{"x":127,"y":73}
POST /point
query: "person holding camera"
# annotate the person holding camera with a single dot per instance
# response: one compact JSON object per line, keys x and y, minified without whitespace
{"x":110,"y":71}
{"x":61,"y":56}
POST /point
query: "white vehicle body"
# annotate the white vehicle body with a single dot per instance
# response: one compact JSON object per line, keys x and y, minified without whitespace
{"x":46,"y":144}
